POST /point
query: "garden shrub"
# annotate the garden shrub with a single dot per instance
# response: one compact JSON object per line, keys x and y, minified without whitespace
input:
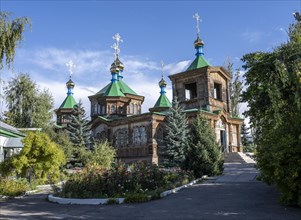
{"x":13,"y":187}
{"x":122,"y":180}
{"x":136,"y":197}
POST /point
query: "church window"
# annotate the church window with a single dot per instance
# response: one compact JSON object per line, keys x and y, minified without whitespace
{"x":143,"y":135}
{"x":113,"y":109}
{"x":121,"y":138}
{"x":131,"y":108}
{"x":135,"y":109}
{"x":217,"y":91}
{"x":190,"y":91}
{"x":103,"y":110}
{"x":160,"y":135}
{"x":95,"y":108}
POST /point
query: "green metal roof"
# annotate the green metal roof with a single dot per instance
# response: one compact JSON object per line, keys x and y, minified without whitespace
{"x":69,"y":102}
{"x":6,"y":133}
{"x":125,"y":88}
{"x":104,"y":89}
{"x":163,"y":101}
{"x":118,"y":88}
{"x":113,"y":90}
{"x":198,"y":62}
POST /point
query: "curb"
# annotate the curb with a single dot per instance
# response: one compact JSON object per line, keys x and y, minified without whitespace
{"x":70,"y":201}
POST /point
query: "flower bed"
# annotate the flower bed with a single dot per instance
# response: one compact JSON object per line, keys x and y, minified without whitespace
{"x":137,"y":183}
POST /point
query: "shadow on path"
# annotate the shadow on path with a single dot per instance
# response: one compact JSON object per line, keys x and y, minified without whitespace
{"x":235,"y":195}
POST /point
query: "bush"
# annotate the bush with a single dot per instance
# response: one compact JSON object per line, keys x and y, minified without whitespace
{"x":103,"y":155}
{"x":136,"y":197}
{"x":13,"y":187}
{"x":40,"y":159}
{"x":120,"y":181}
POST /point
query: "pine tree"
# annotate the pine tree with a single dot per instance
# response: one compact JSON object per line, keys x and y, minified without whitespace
{"x":176,"y":141}
{"x":79,"y":134}
{"x":203,"y":156}
{"x":244,"y":135}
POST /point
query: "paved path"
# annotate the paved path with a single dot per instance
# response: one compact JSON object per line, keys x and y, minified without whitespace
{"x":235,"y":195}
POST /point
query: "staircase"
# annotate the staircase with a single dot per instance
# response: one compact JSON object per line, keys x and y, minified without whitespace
{"x":237,"y":157}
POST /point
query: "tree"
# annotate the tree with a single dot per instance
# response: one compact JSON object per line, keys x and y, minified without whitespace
{"x":11,"y":35}
{"x":40,"y":158}
{"x":103,"y":155}
{"x":235,"y":87}
{"x":274,"y":100}
{"x":203,"y":156}
{"x":235,"y":93}
{"x":176,"y":142}
{"x":27,"y":106}
{"x":79,"y":133}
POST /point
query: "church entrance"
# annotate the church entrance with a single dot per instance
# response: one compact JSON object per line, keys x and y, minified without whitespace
{"x":223,"y":141}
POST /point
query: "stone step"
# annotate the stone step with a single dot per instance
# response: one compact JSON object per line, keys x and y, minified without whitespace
{"x":237,"y":157}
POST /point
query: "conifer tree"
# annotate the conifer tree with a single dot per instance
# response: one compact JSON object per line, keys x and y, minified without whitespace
{"x":79,"y":133}
{"x":203,"y":156}
{"x":176,"y":141}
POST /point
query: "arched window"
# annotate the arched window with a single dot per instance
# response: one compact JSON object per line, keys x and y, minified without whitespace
{"x":143,"y":135}
{"x":103,"y":110}
{"x":160,"y":135}
{"x":135,"y":109}
{"x":113,"y":109}
{"x":121,"y":138}
{"x":132,"y":108}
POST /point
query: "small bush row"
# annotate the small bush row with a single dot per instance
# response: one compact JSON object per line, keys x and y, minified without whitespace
{"x":138,"y":180}
{"x":13,"y":187}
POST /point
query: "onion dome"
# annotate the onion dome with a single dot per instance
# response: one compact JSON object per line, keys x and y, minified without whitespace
{"x":162,"y":83}
{"x":119,"y":64}
{"x":70,"y":84}
{"x":198,"y":42}
{"x":114,"y":67}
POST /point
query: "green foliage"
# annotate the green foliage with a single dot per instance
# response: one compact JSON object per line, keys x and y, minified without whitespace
{"x":27,"y":106}
{"x":103,"y":155}
{"x":203,"y":156}
{"x":13,"y":187}
{"x":176,"y":141}
{"x":40,"y":159}
{"x":235,"y":87}
{"x":79,"y":134}
{"x":121,"y":181}
{"x":274,"y":98}
{"x":10,"y":35}
{"x":247,"y":144}
{"x":136,"y":197}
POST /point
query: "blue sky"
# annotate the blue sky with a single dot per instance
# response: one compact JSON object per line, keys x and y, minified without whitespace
{"x":151,"y":30}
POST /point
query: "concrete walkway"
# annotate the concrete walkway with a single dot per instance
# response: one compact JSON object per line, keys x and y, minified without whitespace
{"x":235,"y":195}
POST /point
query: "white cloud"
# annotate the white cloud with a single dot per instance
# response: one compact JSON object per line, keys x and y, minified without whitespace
{"x":47,"y":66}
{"x":253,"y":36}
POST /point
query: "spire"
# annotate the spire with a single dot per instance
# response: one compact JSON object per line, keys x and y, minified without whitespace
{"x":163,"y":102}
{"x":162,"y":82}
{"x":198,"y":43}
{"x":200,"y":60}
{"x":117,"y":66}
{"x":70,"y":84}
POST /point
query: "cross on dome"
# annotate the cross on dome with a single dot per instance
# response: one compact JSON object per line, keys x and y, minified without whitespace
{"x":162,"y":68}
{"x":71,"y":65}
{"x":115,"y":46}
{"x":197,"y":17}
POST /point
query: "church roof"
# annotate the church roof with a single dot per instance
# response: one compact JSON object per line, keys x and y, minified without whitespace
{"x":163,"y":101}
{"x":69,"y":102}
{"x":113,"y":90}
{"x":119,"y":89}
{"x":198,"y":62}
